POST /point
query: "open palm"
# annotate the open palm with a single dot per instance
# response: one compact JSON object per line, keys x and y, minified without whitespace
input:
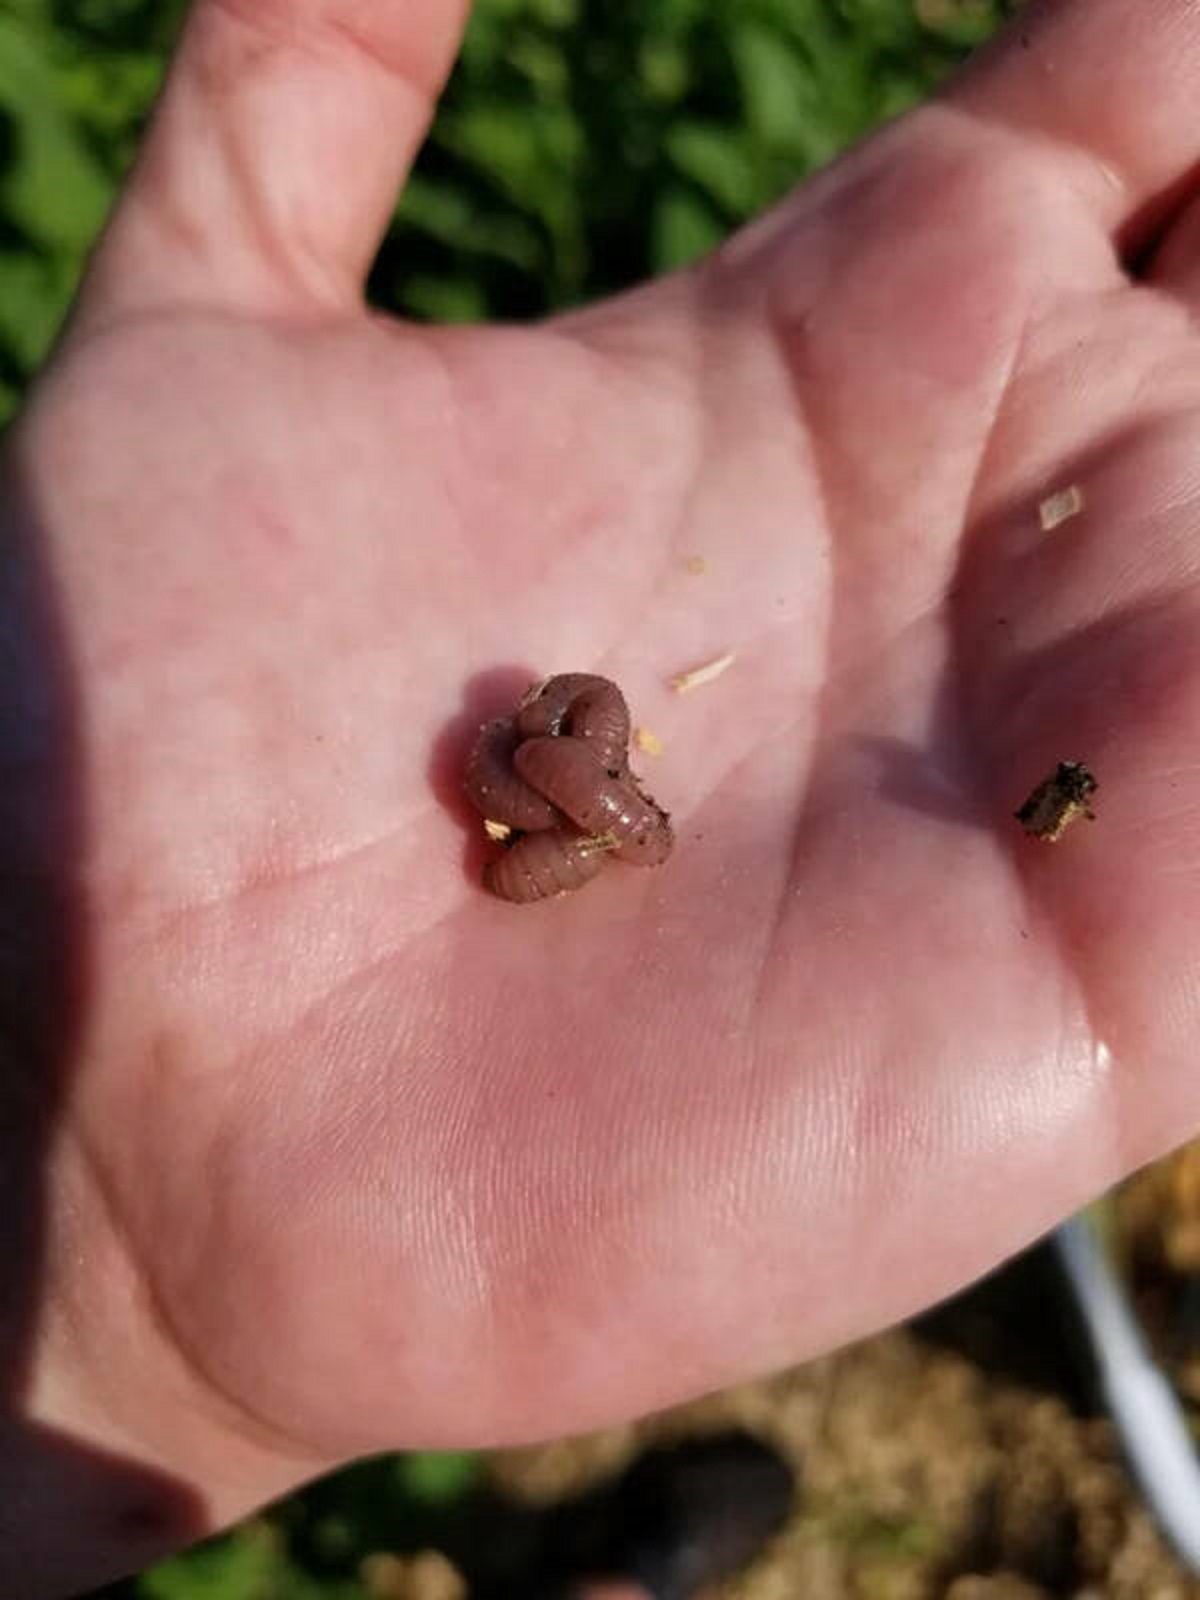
{"x":376,"y":1160}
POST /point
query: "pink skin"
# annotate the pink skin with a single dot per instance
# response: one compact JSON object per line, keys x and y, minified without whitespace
{"x":348,"y":1162}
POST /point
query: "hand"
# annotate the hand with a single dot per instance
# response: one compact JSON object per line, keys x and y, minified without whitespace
{"x":347,"y":1156}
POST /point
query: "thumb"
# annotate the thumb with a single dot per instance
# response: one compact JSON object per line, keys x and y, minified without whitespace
{"x":273,"y":161}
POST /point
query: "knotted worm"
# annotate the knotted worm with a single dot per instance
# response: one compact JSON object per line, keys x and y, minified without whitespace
{"x":557,"y":773}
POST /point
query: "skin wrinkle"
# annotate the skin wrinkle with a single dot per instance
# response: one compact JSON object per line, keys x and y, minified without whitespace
{"x":700,"y":435}
{"x":689,"y":405}
{"x":1024,"y":144}
{"x":440,"y":369}
{"x":1150,"y":383}
{"x":262,"y":230}
{"x":305,"y":264}
{"x":283,"y":24}
{"x":263,"y":1427}
{"x":994,"y":421}
{"x":316,"y":1002}
{"x":190,"y":1349}
{"x":1072,"y":964}
{"x":392,"y":954}
{"x":706,"y":285}
{"x":1012,"y":158}
{"x":1130,"y":403}
{"x":824,"y":473}
{"x":228,"y":1409}
{"x":1023,"y":541}
{"x":554,"y":1220}
{"x":458,"y":378}
{"x":266,"y":879}
{"x":837,"y":676}
{"x":399,"y":65}
{"x":829,"y":568}
{"x":367,"y":1120}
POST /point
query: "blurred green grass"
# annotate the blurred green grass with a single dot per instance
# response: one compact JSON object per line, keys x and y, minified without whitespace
{"x":313,"y":1547}
{"x":582,"y":146}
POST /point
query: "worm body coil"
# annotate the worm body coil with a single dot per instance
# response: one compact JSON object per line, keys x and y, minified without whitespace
{"x":567,"y":773}
{"x":542,"y":864}
{"x":495,"y":789}
{"x":580,"y":706}
{"x":557,"y":774}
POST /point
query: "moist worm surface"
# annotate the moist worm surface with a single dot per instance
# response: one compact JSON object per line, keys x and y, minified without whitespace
{"x":557,"y":773}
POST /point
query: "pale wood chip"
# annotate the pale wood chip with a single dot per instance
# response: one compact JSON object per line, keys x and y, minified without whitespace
{"x":684,"y":682}
{"x":1060,"y":506}
{"x":496,"y":831}
{"x":695,"y":566}
{"x":647,"y":741}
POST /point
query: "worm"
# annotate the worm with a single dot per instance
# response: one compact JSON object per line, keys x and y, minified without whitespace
{"x":543,"y":706}
{"x":542,"y":864}
{"x":582,"y":706}
{"x":570,"y":775}
{"x":600,"y":719}
{"x":557,"y":774}
{"x":496,"y":791}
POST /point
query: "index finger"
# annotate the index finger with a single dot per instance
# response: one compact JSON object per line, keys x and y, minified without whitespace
{"x":1111,"y":88}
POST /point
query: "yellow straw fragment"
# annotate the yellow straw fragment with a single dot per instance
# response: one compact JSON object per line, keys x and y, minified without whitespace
{"x":685,"y":682}
{"x":1060,"y":506}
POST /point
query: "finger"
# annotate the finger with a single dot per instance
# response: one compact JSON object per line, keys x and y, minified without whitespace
{"x":275,"y":156}
{"x":1111,"y":87}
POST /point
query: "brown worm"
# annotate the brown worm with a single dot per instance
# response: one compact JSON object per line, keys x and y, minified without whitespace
{"x":568,"y":773}
{"x":557,"y":774}
{"x":543,"y":706}
{"x":495,"y":789}
{"x":582,"y":706}
{"x":539,"y":865}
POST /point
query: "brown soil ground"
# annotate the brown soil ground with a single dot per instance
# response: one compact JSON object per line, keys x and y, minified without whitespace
{"x":954,"y":1459}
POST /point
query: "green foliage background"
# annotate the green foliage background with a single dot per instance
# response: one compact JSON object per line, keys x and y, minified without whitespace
{"x":582,"y":146}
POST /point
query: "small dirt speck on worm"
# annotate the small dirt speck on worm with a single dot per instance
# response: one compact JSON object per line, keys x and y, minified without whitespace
{"x":648,"y":741}
{"x":695,"y":566}
{"x":696,"y":677}
{"x":1060,"y":507}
